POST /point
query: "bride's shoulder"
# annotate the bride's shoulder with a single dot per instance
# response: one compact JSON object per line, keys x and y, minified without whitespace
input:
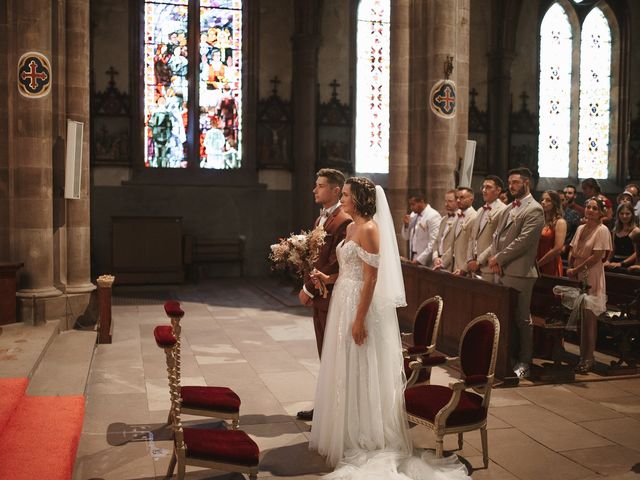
{"x":370,"y":237}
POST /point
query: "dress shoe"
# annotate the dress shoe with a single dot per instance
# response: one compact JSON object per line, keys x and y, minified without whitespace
{"x":306,"y":415}
{"x":521,"y":370}
{"x":584,"y":367}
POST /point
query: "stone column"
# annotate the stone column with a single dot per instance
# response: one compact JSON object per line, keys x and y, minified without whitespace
{"x":77,"y":106}
{"x":447,"y":24}
{"x":399,"y":113}
{"x":306,"y":41}
{"x":31,"y":151}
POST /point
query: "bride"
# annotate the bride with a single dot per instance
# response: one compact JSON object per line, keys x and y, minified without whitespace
{"x":359,"y":421}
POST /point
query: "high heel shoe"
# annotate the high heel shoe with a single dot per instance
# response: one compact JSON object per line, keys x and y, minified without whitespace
{"x":584,"y":367}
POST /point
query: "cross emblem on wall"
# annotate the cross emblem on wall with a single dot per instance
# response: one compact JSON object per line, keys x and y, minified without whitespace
{"x":34,"y":75}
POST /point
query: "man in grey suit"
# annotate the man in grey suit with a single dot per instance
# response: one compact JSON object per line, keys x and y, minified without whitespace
{"x":513,"y":260}
{"x":483,"y":228}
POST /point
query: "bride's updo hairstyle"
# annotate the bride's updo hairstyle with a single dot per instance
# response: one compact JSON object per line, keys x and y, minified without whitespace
{"x":363,"y":192}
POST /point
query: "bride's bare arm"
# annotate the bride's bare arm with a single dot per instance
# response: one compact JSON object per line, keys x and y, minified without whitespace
{"x":370,"y":242}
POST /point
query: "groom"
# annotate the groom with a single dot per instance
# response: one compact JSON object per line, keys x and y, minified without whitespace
{"x":327,"y":192}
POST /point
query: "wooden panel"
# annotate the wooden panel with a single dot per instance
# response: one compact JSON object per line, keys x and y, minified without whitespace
{"x":464,"y":299}
{"x":147,"y":250}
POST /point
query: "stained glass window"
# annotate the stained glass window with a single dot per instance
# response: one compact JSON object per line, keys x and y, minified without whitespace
{"x":555,"y":93}
{"x":372,"y":102}
{"x":595,"y":94}
{"x":215,"y":62}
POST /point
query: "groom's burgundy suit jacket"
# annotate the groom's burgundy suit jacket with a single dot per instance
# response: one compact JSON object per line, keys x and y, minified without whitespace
{"x":327,"y":263}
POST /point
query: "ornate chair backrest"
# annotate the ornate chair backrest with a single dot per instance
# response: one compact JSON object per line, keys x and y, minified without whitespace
{"x":427,"y":321}
{"x":478,"y":352}
{"x":166,"y":340}
{"x":175,"y":313}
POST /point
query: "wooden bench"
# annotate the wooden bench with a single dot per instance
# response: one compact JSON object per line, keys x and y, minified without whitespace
{"x":203,"y":251}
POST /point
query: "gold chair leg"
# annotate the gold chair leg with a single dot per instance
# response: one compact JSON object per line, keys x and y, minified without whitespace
{"x":182,"y":470}
{"x":234,"y":423}
{"x":439,"y":446}
{"x":485,"y":446}
{"x":460,"y":441}
{"x":172,"y":465}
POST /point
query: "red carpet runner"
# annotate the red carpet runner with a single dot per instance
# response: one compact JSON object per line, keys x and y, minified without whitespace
{"x":39,"y":436}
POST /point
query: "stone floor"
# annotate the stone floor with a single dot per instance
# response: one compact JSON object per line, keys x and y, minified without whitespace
{"x":252,"y":337}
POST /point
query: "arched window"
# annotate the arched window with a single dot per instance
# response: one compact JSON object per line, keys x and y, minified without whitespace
{"x":595,"y":96}
{"x":372,"y":86}
{"x":193,"y":123}
{"x":555,"y":93}
{"x":575,"y":142}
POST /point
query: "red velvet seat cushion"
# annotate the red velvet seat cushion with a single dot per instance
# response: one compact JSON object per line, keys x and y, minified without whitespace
{"x":172,"y":309}
{"x":219,"y":398}
{"x":416,"y":349}
{"x":228,"y":446}
{"x":164,"y":336}
{"x":426,"y":401}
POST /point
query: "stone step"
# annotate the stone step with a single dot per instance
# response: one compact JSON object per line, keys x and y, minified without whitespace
{"x":65,"y":367}
{"x":22,"y":347}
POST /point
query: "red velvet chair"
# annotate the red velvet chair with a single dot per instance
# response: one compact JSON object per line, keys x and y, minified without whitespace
{"x":463,"y":405}
{"x":206,"y":401}
{"x":426,"y":323}
{"x":228,"y":450}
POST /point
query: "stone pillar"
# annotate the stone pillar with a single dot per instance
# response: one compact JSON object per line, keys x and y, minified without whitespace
{"x":399,"y":113}
{"x":447,"y":24}
{"x":77,"y":107}
{"x":31,"y":151}
{"x":306,"y":41}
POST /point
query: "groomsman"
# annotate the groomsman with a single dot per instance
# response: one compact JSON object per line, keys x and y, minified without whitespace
{"x":420,"y":228}
{"x":462,"y":229}
{"x":443,"y":246}
{"x":513,"y":260}
{"x":327,"y":192}
{"x":483,"y":228}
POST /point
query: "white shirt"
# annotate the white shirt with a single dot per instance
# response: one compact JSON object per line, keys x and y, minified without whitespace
{"x":421,"y":233}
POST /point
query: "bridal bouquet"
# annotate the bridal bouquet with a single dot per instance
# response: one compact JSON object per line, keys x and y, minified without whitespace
{"x":298,"y":252}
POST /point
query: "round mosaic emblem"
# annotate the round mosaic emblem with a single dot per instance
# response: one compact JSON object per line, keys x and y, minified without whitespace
{"x":34,"y":75}
{"x":443,"y":99}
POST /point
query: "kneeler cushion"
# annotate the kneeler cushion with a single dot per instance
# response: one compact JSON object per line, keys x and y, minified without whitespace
{"x":220,"y":398}
{"x":228,"y":446}
{"x":172,"y":309}
{"x":164,"y":336}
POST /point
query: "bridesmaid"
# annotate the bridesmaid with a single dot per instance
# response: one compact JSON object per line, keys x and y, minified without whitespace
{"x":590,"y":248}
{"x":553,"y":235}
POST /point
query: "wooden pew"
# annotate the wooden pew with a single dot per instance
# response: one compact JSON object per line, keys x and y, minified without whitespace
{"x":464,"y":299}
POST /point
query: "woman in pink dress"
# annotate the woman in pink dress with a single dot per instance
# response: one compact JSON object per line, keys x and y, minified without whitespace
{"x":590,"y":248}
{"x":552,"y":236}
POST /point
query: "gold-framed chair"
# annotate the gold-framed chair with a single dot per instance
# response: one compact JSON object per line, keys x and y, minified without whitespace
{"x":463,"y":405}
{"x":220,"y":449}
{"x":426,"y":324}
{"x":206,"y":401}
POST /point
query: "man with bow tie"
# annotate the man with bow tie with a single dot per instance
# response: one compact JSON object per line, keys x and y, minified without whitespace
{"x":462,"y":230}
{"x":421,"y":229}
{"x":513,"y":261}
{"x":443,"y":245}
{"x":327,"y":192}
{"x":483,"y":227}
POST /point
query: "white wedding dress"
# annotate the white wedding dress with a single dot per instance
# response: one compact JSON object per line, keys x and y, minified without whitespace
{"x":359,"y":421}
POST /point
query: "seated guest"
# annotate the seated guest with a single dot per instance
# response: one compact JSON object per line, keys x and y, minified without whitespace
{"x":552,"y":237}
{"x":591,"y":188}
{"x":572,"y":217}
{"x":589,"y":250}
{"x":570,"y":194}
{"x":420,"y":228}
{"x":623,"y":254}
{"x":635,"y":191}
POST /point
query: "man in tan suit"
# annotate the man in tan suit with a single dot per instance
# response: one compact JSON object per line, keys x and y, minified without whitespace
{"x":513,"y":260}
{"x":462,"y":229}
{"x":443,"y":245}
{"x":329,"y":183}
{"x":483,"y":228}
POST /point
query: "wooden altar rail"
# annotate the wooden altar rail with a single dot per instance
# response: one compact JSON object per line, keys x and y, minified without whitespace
{"x":464,"y":299}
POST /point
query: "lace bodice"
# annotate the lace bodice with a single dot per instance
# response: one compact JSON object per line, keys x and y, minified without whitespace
{"x":350,"y":257}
